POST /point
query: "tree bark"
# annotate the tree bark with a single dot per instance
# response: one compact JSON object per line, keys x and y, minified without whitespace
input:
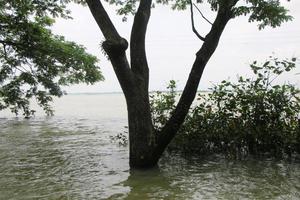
{"x":142,"y":139}
{"x":133,"y":78}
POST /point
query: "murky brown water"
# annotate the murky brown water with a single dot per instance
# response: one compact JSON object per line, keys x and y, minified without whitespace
{"x":71,"y":156}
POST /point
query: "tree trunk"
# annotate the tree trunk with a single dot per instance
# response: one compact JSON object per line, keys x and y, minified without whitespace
{"x":142,"y":137}
{"x":147,"y":146}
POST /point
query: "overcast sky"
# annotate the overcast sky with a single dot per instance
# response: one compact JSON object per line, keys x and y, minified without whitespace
{"x":171,"y":46}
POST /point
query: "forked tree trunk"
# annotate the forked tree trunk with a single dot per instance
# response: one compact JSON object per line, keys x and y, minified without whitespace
{"x":146,"y":144}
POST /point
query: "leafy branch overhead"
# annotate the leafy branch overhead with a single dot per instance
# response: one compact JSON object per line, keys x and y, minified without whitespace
{"x":33,"y":61}
{"x":265,"y":12}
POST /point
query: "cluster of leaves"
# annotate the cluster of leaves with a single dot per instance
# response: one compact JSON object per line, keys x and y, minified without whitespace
{"x":162,"y":104}
{"x":33,"y":61}
{"x":265,"y":12}
{"x":252,"y":116}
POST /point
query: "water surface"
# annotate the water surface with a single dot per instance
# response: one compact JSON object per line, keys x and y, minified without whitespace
{"x":72,"y":156}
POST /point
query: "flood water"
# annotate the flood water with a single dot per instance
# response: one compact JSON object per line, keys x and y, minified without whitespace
{"x":72,"y":156}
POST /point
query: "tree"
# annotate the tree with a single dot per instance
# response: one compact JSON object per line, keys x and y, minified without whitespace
{"x":33,"y":61}
{"x":146,"y":143}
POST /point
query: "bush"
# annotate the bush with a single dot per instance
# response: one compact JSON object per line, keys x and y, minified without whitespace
{"x":251,"y":116}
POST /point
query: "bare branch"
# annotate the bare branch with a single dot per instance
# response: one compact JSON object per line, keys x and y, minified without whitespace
{"x":202,"y":14}
{"x":193,"y":24}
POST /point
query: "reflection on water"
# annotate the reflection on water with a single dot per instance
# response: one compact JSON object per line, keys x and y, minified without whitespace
{"x":71,"y":156}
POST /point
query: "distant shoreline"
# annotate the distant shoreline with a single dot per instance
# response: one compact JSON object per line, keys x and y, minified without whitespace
{"x":103,"y":93}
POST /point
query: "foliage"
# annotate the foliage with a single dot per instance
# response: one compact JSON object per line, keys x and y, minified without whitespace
{"x":252,"y":116}
{"x":33,"y":61}
{"x":162,"y":104}
{"x":265,"y":12}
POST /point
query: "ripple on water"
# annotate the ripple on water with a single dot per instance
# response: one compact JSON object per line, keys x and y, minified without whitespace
{"x":57,"y":158}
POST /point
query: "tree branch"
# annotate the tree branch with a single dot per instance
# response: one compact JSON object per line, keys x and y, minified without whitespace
{"x":193,"y":24}
{"x":138,"y":57}
{"x":6,"y":42}
{"x":115,"y":47}
{"x":188,"y":95}
{"x":4,"y":50}
{"x":105,"y":24}
{"x":202,"y":14}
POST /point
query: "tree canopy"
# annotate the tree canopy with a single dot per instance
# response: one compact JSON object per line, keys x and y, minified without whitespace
{"x":34,"y":62}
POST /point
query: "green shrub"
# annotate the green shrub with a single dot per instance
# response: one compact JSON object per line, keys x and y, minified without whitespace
{"x":162,"y":104}
{"x":251,"y":116}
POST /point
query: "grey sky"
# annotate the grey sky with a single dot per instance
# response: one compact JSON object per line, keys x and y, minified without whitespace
{"x":171,"y":46}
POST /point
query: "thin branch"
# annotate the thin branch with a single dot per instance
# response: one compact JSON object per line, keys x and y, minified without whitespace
{"x":193,"y":24}
{"x":6,"y":42}
{"x":21,"y":69}
{"x":4,"y":50}
{"x":202,"y":14}
{"x":273,"y":79}
{"x":31,"y":69}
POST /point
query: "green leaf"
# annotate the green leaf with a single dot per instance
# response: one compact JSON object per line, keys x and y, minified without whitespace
{"x":32,"y":57}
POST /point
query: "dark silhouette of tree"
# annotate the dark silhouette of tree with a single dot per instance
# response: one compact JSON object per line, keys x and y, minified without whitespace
{"x":146,"y":143}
